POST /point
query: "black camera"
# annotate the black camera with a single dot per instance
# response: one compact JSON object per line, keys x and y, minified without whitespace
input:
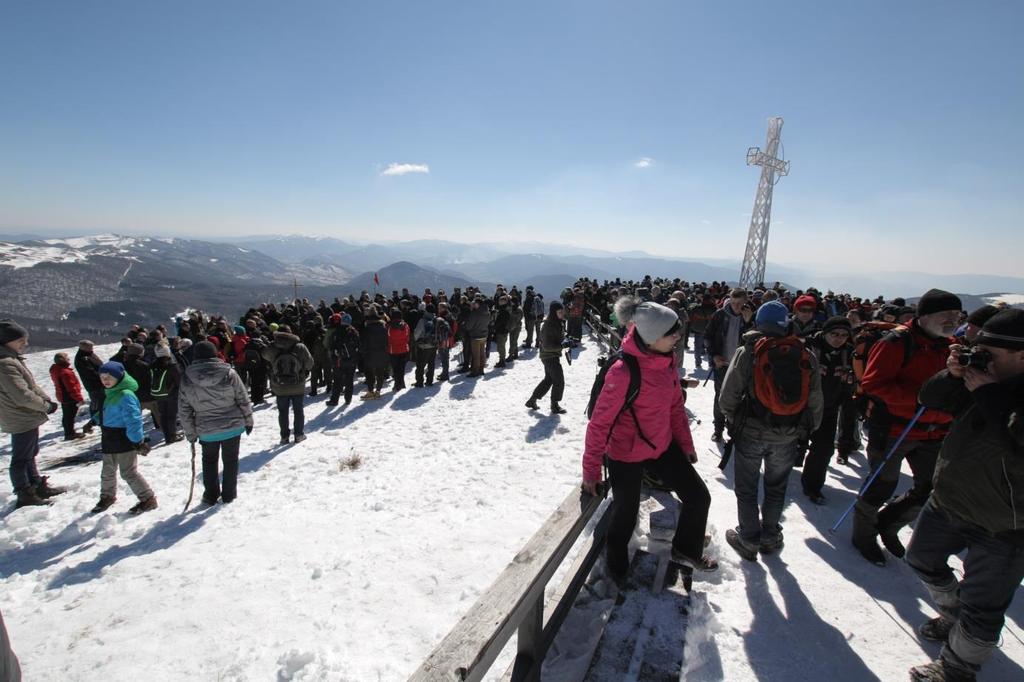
{"x":975,"y":357}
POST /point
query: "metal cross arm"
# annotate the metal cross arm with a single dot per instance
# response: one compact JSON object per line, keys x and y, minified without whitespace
{"x":755,"y":157}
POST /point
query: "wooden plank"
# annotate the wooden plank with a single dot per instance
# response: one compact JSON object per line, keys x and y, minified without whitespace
{"x":470,"y":648}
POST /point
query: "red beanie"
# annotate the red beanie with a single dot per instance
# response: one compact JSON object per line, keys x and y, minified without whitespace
{"x":806,"y":301}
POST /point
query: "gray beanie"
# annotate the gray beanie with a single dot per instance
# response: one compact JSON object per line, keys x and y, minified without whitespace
{"x":652,"y":320}
{"x":11,"y":331}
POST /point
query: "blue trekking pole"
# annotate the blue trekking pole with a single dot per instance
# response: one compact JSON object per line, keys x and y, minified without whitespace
{"x":878,"y":469}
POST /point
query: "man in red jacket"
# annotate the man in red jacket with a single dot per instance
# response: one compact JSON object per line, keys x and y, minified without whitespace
{"x":69,"y":394}
{"x":897,"y":367}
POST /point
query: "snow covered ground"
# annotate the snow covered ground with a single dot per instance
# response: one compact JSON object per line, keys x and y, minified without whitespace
{"x":1016,"y":300}
{"x":321,"y":572}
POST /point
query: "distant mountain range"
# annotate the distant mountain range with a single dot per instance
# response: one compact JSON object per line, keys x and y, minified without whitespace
{"x":99,"y":283}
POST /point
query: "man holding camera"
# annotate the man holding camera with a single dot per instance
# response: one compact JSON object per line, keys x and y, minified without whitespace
{"x":898,"y":365}
{"x":978,"y":500}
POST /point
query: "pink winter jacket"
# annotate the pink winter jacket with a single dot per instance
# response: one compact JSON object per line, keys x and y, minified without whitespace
{"x":658,"y":406}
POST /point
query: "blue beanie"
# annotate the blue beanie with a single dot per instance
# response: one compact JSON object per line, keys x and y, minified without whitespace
{"x":346,"y":318}
{"x":239,"y":329}
{"x":773,"y":316}
{"x":114,"y":369}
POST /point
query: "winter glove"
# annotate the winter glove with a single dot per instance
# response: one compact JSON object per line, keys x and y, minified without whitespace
{"x":143,"y":448}
{"x":248,"y":429}
{"x":566,"y":343}
{"x":51,"y":407}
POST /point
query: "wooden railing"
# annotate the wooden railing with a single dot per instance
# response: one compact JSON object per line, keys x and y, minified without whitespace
{"x":606,"y":333}
{"x":515,"y":602}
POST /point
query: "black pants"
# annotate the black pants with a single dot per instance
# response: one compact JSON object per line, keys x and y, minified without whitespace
{"x":719,"y":378}
{"x":168,"y":409}
{"x":375,"y":375}
{"x":344,"y":376}
{"x":848,"y":427}
{"x":820,"y":452}
{"x":445,"y":356}
{"x":425,"y":360}
{"x":68,"y":412}
{"x":676,"y":471}
{"x":295,"y":401}
{"x":530,"y":323}
{"x":921,"y":455}
{"x":553,"y":379}
{"x":258,"y":383}
{"x":398,"y":369}
{"x":24,"y":448}
{"x":213,"y":451}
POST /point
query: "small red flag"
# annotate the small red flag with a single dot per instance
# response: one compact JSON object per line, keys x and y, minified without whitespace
{"x":375,"y":279}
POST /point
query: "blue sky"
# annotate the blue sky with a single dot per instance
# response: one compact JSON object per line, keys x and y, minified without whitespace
{"x":903,"y":124}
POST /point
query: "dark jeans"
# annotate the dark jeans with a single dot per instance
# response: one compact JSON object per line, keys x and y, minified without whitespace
{"x":921,"y":455}
{"x":993,"y":568}
{"x":553,"y":379}
{"x":698,"y":349}
{"x":258,"y":383}
{"x":848,"y":441}
{"x":213,"y":451}
{"x":398,"y":370}
{"x":375,"y":375}
{"x":444,"y":355}
{"x":530,"y":323}
{"x":778,"y":462}
{"x":68,"y":412}
{"x":675,"y":470}
{"x":719,"y":378}
{"x":295,"y":401}
{"x":820,"y":452}
{"x":24,"y":448}
{"x":168,"y":409}
{"x":425,"y":359}
{"x":344,"y":376}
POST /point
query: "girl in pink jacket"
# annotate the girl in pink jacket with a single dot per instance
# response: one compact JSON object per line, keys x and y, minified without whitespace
{"x":653,"y":433}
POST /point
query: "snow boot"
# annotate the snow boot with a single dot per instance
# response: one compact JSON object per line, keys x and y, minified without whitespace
{"x":936,"y":629}
{"x":104,"y":504}
{"x":745,"y":549}
{"x":145,"y":505}
{"x":45,"y":490}
{"x":865,"y":534}
{"x":27,"y":497}
{"x":816,"y":498}
{"x":557,"y":409}
{"x":331,"y":403}
{"x":938,"y":671}
{"x":771,"y":544}
{"x":87,"y":429}
{"x":74,"y":436}
{"x":532,"y":404}
{"x":705,"y":564}
{"x":299,"y":437}
{"x":284,"y":440}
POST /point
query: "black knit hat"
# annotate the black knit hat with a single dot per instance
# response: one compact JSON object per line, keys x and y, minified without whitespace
{"x":982,"y":315}
{"x":555,"y":307}
{"x":1005,"y":329}
{"x":938,"y":301}
{"x":204,"y":350}
{"x":11,"y":331}
{"x":837,"y":323}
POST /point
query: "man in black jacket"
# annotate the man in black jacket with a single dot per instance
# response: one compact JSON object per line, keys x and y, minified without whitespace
{"x":722,"y":337}
{"x":87,"y":364}
{"x":977,"y":502}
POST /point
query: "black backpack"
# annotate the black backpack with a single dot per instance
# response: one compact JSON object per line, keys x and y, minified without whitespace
{"x":426,"y":338}
{"x":604,"y":364}
{"x":288,"y":369}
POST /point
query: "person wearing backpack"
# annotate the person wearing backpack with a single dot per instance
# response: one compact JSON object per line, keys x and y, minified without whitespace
{"x":772,"y":399}
{"x":833,"y":348}
{"x":425,"y":337}
{"x":445,"y":333}
{"x":724,"y":334}
{"x":215,"y":411}
{"x":897,"y":367}
{"x":343,"y":347}
{"x":165,"y":377}
{"x":515,"y":327}
{"x":553,"y":342}
{"x":638,"y":422}
{"x":290,"y":364}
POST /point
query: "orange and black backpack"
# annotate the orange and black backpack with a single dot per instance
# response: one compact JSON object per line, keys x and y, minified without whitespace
{"x":781,"y":379}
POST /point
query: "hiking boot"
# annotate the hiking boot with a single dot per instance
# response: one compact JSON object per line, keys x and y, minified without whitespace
{"x":284,"y":440}
{"x":557,"y":409}
{"x":443,"y":377}
{"x":27,"y":497}
{"x":843,"y":459}
{"x":938,"y":671}
{"x":74,"y":436}
{"x":148,"y":504}
{"x":890,"y":537}
{"x":299,"y":437}
{"x":417,"y":385}
{"x":87,"y":429}
{"x":770,"y":544}
{"x":869,"y":549}
{"x":209,"y":501}
{"x":746,"y":549}
{"x":45,"y":490}
{"x":936,"y":629}
{"x":816,"y":498}
{"x":499,"y":365}
{"x":103,"y":505}
{"x":705,"y":564}
{"x":331,"y":403}
{"x":532,"y":404}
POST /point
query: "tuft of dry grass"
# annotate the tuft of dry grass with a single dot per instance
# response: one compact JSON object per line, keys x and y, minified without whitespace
{"x":352,"y":462}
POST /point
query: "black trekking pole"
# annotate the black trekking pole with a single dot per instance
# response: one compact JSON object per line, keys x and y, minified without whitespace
{"x":568,"y":356}
{"x":726,"y":454}
{"x":878,"y":469}
{"x":192,"y":484}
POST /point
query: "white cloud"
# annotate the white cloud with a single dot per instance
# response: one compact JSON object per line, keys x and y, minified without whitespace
{"x":405,"y":168}
{"x":644,"y":162}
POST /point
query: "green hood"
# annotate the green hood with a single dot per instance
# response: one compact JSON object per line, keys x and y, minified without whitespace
{"x":115,"y":394}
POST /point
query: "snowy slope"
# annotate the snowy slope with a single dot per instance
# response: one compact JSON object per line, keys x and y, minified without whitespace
{"x":322,"y":573}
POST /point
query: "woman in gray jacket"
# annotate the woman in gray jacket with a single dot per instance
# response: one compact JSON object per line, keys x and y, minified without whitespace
{"x":214,"y":409}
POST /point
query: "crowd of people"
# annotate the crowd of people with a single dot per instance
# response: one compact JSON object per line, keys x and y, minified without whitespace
{"x":798,"y":377}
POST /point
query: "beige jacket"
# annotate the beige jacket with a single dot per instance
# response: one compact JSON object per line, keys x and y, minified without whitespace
{"x":23,"y":404}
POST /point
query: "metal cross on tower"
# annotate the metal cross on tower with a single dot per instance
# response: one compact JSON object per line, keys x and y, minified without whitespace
{"x":756,"y":254}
